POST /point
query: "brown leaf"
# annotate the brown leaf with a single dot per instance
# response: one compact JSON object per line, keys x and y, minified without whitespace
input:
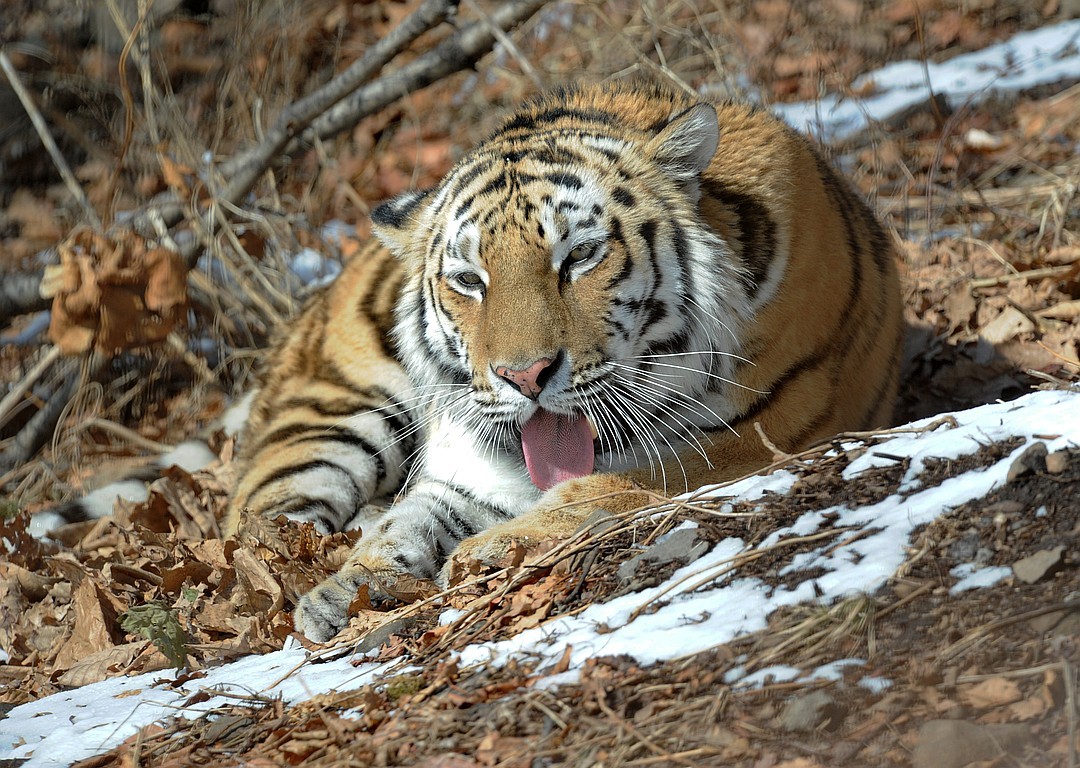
{"x":95,"y":622}
{"x":176,"y":175}
{"x":110,"y":293}
{"x":187,"y":572}
{"x":449,"y":760}
{"x":166,"y":286}
{"x":262,"y":591}
{"x":101,"y":665}
{"x":995,"y":692}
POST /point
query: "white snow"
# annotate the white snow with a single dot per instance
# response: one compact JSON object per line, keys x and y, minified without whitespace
{"x":973,"y":577}
{"x":313,"y":268}
{"x":1046,"y":55}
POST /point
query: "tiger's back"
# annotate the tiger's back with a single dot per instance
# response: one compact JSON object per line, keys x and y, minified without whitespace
{"x":602,"y":257}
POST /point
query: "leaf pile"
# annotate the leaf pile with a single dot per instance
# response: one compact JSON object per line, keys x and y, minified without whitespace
{"x":79,"y":613}
{"x":992,"y":255}
{"x":114,"y":294}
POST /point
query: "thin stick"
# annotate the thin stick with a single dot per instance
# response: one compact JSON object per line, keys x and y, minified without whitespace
{"x":129,"y":435}
{"x":507,"y":43}
{"x":12,"y":398}
{"x":47,"y":140}
{"x":1070,"y":704}
{"x":1031,"y":274}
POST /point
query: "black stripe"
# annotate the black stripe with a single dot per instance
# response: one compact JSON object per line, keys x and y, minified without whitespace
{"x":284,"y":473}
{"x":326,"y":370}
{"x":451,"y":374}
{"x":319,"y":509}
{"x":346,"y":437}
{"x":843,"y":201}
{"x":795,"y":371}
{"x":464,"y":525}
{"x":623,"y":196}
{"x":671,"y":345}
{"x":757,"y":231}
{"x":609,"y":154}
{"x":366,"y":305}
{"x":682,"y":258}
{"x":527,"y":123}
{"x":393,"y":213}
{"x":565,"y":179}
{"x":462,"y":178}
{"x":481,"y":503}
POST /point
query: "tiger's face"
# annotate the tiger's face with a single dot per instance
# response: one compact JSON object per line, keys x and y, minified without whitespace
{"x":557,"y":284}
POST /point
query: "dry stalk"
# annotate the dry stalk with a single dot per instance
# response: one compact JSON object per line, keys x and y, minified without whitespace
{"x":1069,"y":673}
{"x":640,"y":737}
{"x":129,"y":435}
{"x":50,"y":145}
{"x":976,"y":635}
{"x":15,"y":395}
{"x":777,"y":454}
{"x":507,"y":43}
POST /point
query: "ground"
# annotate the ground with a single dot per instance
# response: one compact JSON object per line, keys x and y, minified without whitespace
{"x":981,"y":195}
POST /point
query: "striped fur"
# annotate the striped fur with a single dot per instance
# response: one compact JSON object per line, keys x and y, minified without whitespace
{"x":687,"y":270}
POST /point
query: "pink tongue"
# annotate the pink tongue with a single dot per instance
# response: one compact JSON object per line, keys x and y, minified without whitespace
{"x":556,"y":448}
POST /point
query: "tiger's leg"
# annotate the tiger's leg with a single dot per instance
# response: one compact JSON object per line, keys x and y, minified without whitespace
{"x":331,"y":429}
{"x":558,"y":514}
{"x":461,"y":488}
{"x":440,"y":519}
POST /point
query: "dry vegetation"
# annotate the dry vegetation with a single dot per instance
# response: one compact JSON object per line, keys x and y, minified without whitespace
{"x":983,"y":200}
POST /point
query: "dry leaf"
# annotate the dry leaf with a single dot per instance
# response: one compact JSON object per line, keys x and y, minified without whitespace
{"x":262,"y":591}
{"x":95,"y":622}
{"x":112,"y":294}
{"x":101,"y":665}
{"x":995,"y":692}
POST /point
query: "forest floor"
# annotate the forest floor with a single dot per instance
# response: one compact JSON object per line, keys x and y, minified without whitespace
{"x":982,"y":196}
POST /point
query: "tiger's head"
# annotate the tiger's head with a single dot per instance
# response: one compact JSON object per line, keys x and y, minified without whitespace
{"x":561,"y":284}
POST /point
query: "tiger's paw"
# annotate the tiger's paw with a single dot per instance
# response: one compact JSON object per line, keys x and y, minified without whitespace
{"x":492,"y":548}
{"x":324,"y":611}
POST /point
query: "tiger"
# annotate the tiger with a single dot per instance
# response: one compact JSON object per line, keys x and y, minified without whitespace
{"x":607,"y":298}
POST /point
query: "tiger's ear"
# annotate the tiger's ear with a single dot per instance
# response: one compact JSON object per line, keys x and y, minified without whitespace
{"x":686,"y":145}
{"x":396,"y":221}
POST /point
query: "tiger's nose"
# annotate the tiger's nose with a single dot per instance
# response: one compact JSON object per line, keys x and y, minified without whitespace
{"x":530,"y":380}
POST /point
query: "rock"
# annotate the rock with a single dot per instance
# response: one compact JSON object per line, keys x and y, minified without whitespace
{"x":811,"y":712}
{"x":1004,"y":507}
{"x":682,"y":546}
{"x":956,"y":743}
{"x":1033,"y":459}
{"x":1041,"y":565}
{"x":1047,"y":621}
{"x":1057,"y":462}
{"x":1069,"y":626}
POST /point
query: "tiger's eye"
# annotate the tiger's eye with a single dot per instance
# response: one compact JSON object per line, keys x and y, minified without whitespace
{"x":582,"y":252}
{"x":470,"y":279}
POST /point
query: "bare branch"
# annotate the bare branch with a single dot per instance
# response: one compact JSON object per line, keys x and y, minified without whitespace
{"x":460,"y":51}
{"x":47,"y":140}
{"x":19,"y":295}
{"x":344,"y":101}
{"x":242,"y":172}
